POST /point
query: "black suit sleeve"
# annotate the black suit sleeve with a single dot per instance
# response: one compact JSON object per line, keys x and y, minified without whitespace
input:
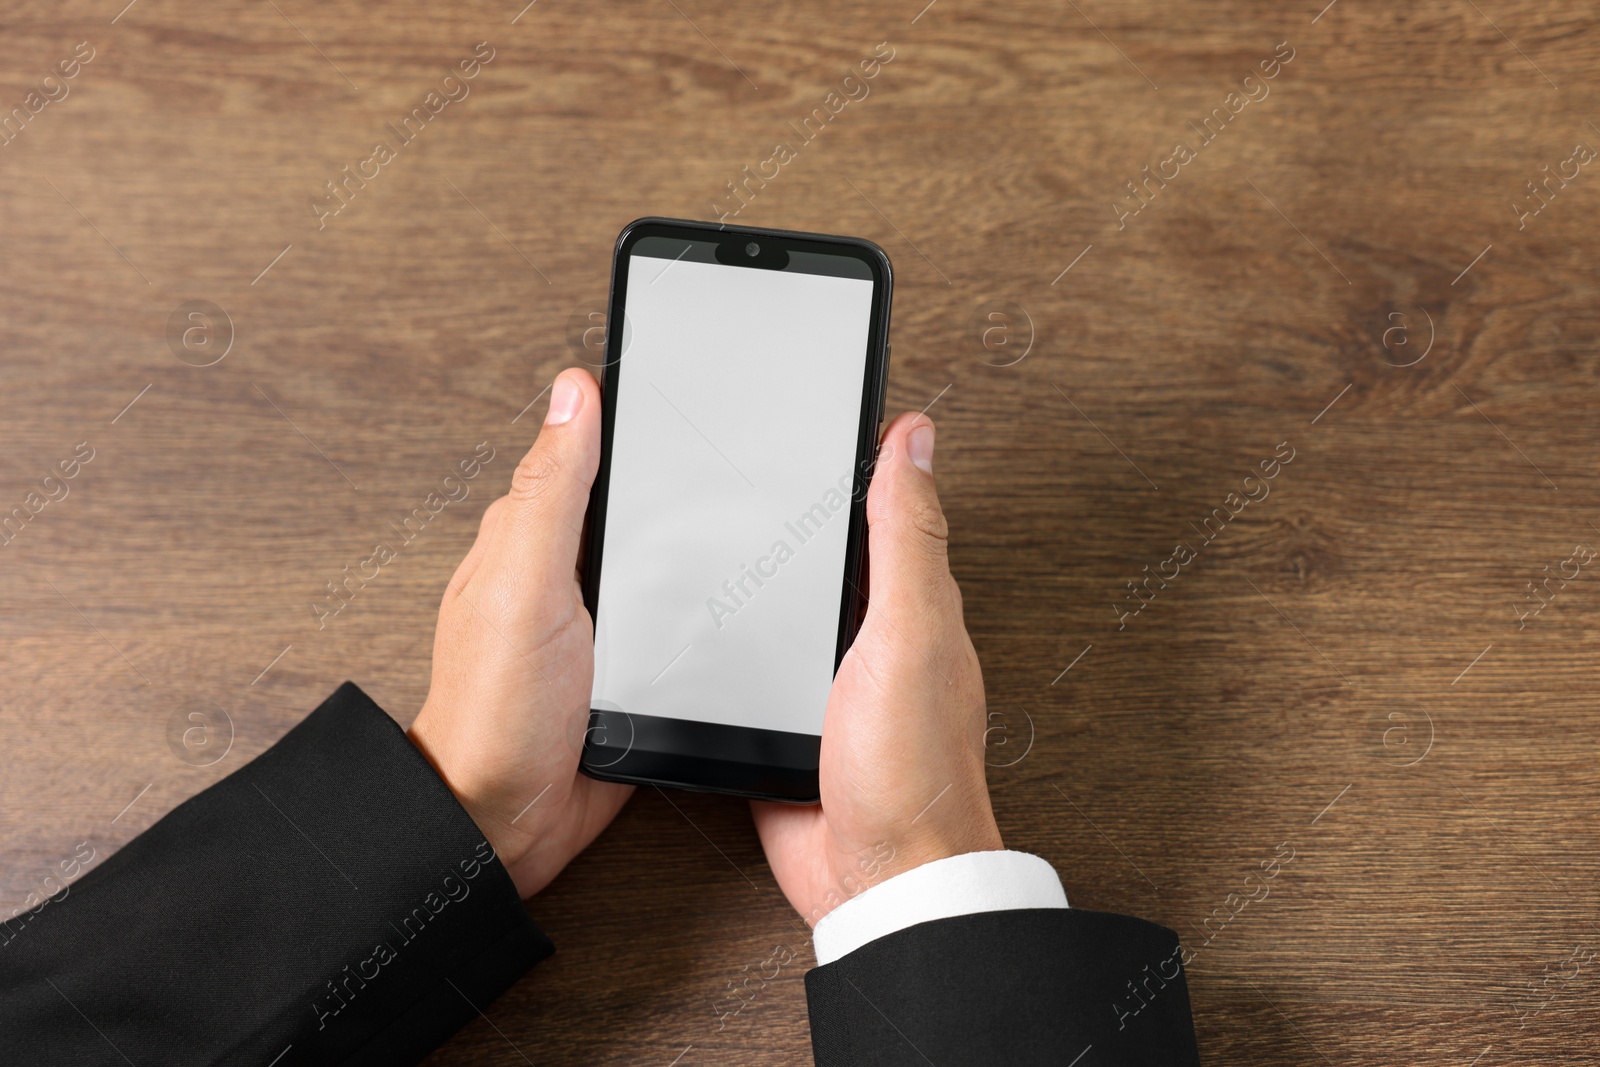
{"x":328,"y":903}
{"x":1034,"y":986}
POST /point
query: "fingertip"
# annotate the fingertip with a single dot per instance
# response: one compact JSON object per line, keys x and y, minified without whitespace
{"x":571,"y":427}
{"x":550,"y":486}
{"x":919,"y":445}
{"x":903,"y":508}
{"x":904,"y":422}
{"x":584,"y":378}
{"x":573,"y":391}
{"x":906,"y":449}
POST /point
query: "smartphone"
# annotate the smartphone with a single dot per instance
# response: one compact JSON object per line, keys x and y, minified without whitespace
{"x":743,"y":387}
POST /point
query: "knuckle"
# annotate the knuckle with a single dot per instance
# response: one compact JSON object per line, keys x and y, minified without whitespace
{"x":927,"y":519}
{"x":535,"y":476}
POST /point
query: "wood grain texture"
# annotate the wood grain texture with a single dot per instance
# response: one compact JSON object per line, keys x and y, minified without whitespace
{"x":1307,"y":654}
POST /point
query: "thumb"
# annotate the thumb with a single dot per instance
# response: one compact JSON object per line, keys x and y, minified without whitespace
{"x":907,"y":533}
{"x":538,"y":534}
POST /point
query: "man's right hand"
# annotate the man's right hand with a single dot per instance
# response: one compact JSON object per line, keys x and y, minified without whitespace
{"x":902,"y":767}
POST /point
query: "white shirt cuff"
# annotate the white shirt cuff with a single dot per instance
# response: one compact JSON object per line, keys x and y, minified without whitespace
{"x":957,"y":885}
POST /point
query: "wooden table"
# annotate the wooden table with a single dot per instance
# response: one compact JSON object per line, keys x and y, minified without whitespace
{"x":1336,"y":272}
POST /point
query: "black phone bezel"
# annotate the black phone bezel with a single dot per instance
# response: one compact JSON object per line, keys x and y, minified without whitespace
{"x":713,"y":757}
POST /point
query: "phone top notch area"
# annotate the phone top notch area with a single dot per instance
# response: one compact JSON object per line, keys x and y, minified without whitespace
{"x":753,"y":251}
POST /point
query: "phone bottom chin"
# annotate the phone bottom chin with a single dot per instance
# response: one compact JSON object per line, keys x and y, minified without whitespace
{"x":700,"y":775}
{"x":704,"y":757}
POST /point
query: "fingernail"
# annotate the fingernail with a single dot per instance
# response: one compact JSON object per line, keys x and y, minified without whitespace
{"x":565,"y":400}
{"x":919,"y":446}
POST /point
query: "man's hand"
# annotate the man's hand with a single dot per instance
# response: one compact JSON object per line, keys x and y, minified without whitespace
{"x":902,"y":776}
{"x":513,"y":658}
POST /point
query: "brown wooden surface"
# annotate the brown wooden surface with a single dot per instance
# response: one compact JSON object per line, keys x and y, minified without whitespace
{"x":1301,"y":657}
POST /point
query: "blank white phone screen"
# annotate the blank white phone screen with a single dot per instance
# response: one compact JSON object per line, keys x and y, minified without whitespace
{"x":732,"y":464}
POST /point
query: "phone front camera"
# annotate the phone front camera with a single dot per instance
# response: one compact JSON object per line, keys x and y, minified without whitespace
{"x":752,"y":249}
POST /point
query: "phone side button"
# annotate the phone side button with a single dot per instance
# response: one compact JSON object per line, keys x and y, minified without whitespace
{"x":883,"y":383}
